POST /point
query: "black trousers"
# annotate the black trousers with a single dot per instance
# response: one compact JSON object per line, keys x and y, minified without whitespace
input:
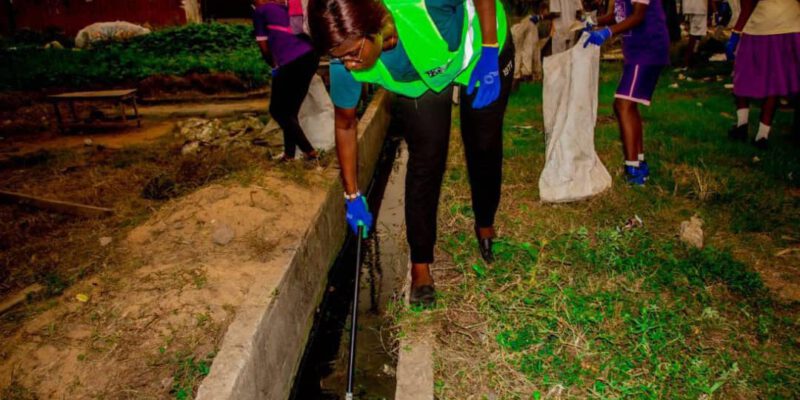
{"x":289,"y":89}
{"x":426,"y":123}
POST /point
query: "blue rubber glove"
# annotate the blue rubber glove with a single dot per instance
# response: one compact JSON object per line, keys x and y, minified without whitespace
{"x":535,"y":18}
{"x":730,"y":47}
{"x":598,"y":37}
{"x":274,"y":72}
{"x":358,"y":215}
{"x":589,"y":28}
{"x":487,"y":72}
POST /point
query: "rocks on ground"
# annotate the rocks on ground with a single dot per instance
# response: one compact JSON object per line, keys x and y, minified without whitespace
{"x":202,"y":133}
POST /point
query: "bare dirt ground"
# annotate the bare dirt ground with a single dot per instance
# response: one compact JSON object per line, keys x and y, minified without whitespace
{"x":169,"y":302}
{"x":135,"y":305}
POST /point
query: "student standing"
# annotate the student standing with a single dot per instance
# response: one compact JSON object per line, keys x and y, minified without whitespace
{"x":696,"y":14}
{"x":421,"y":49}
{"x":766,"y":48}
{"x":564,"y":14}
{"x":645,"y":47}
{"x":294,"y":64}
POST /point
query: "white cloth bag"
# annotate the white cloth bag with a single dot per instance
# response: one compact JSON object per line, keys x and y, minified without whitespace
{"x":316,"y":116}
{"x":572,"y":169}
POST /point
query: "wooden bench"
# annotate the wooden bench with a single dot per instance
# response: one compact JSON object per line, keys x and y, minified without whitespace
{"x":119,"y":97}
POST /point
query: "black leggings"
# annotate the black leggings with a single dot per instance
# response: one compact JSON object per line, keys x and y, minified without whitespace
{"x":289,"y":89}
{"x":426,"y":124}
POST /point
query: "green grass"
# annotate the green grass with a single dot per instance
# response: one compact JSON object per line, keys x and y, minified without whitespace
{"x":579,"y":306}
{"x":195,"y":48}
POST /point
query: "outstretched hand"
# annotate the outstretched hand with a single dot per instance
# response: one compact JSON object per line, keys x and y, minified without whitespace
{"x":487,"y":72}
{"x":730,"y":47}
{"x":358,"y":214}
{"x":598,"y":37}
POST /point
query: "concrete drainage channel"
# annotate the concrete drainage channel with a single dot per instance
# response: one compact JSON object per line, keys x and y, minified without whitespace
{"x":323,"y":372}
{"x":263,"y":346}
{"x":261,"y":354}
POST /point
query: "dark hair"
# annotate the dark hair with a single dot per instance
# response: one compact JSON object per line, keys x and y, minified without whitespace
{"x":332,"y":22}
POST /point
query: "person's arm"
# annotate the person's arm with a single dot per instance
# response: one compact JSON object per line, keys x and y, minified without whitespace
{"x":744,"y":15}
{"x":346,"y":125}
{"x":345,"y":94}
{"x":747,"y":7}
{"x":599,"y":37}
{"x":265,"y":53}
{"x":609,"y":17}
{"x":605,"y":20}
{"x":260,"y":27}
{"x":633,"y":20}
{"x":487,"y":15}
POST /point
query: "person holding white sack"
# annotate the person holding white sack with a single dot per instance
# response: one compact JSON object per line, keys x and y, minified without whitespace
{"x":645,"y":48}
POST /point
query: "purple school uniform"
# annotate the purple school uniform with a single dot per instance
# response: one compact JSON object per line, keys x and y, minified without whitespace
{"x":646,"y":51}
{"x":271,"y":23}
{"x":648,"y":43}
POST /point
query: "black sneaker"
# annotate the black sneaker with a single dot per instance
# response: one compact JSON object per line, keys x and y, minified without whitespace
{"x":423,"y":296}
{"x":738,"y":133}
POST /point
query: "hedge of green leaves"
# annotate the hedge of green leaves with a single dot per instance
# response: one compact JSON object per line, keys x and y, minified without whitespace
{"x":196,"y":48}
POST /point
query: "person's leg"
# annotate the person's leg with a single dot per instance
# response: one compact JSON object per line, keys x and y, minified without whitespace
{"x":739,"y":131}
{"x":796,"y":134}
{"x":687,"y":59}
{"x":768,"y":109}
{"x":630,"y":128}
{"x":426,"y":121}
{"x":637,"y":85}
{"x":279,"y":112}
{"x":482,"y":134}
{"x":293,"y":83}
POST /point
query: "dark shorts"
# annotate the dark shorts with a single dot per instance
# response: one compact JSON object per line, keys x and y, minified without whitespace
{"x":638,"y":82}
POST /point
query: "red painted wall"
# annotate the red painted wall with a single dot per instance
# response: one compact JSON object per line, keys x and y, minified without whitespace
{"x":73,"y":15}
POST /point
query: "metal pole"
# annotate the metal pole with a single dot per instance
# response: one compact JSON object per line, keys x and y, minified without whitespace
{"x":351,"y":366}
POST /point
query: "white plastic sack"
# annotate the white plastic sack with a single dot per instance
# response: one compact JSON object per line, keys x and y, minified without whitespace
{"x":316,"y":116}
{"x":572,"y":169}
{"x":108,"y":32}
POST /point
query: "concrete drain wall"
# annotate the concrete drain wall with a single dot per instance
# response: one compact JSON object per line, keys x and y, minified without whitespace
{"x":262,"y":348}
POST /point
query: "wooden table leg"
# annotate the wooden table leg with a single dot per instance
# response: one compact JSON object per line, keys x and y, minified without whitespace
{"x":122,"y":109}
{"x":136,"y":113}
{"x":72,"y":111}
{"x":58,"y":117}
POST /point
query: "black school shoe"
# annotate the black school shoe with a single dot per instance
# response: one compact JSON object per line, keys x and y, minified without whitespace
{"x":485,"y":246}
{"x":423,"y":296}
{"x":761,"y":144}
{"x":738,"y":133}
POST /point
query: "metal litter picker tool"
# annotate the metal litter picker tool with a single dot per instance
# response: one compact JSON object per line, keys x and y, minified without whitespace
{"x":351,"y":365}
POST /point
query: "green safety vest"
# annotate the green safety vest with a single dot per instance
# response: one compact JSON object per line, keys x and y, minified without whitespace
{"x":429,"y":53}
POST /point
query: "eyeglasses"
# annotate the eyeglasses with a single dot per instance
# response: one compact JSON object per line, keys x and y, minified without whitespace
{"x":352,"y":56}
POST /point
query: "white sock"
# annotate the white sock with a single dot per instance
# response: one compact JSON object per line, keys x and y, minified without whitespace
{"x":641,"y":157}
{"x":632,"y":163}
{"x":763,"y":131}
{"x":742,"y":114}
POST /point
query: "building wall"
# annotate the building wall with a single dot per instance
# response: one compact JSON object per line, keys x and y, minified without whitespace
{"x":72,"y":15}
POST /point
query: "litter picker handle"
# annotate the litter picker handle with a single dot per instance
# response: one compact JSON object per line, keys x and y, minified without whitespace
{"x":351,"y":366}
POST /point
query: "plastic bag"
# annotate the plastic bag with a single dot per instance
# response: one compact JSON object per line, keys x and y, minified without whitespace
{"x":572,"y":169}
{"x":316,"y":116}
{"x":108,"y":32}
